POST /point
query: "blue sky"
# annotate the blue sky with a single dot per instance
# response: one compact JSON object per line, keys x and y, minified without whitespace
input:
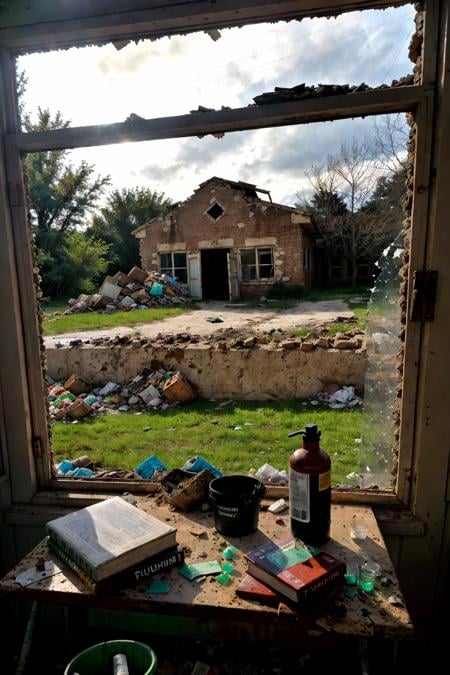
{"x":176,"y":75}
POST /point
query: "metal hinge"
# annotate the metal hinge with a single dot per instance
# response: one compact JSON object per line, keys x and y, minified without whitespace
{"x":423,"y":295}
{"x":37,"y":447}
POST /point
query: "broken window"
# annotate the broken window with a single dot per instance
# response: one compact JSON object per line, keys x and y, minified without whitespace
{"x":256,"y":263}
{"x":215,"y":211}
{"x":174,"y":264}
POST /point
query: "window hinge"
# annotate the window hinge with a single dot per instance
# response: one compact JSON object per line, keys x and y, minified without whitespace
{"x":423,"y":295}
{"x":15,"y":194}
{"x":37,"y":447}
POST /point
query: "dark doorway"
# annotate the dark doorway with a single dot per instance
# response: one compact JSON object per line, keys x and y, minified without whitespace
{"x":215,"y":274}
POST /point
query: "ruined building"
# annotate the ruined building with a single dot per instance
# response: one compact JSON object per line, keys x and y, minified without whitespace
{"x":227,"y":242}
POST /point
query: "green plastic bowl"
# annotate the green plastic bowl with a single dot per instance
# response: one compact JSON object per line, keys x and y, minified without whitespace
{"x":98,"y":659}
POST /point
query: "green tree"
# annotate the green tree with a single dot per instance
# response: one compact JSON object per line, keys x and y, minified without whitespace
{"x":70,"y":267}
{"x":124,"y":211}
{"x":62,"y":195}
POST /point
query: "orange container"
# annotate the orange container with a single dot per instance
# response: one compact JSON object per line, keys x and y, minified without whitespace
{"x":179,"y":389}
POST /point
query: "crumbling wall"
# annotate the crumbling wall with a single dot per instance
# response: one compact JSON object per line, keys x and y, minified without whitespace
{"x":262,"y":373}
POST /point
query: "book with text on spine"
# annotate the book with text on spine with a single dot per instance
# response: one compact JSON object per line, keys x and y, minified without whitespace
{"x":161,"y":562}
{"x":288,"y":567}
{"x":110,"y":536}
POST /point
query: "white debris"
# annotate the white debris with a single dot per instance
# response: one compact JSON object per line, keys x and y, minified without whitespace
{"x":278,"y":506}
{"x":149,"y":393}
{"x":268,"y":474}
{"x":343,"y":395}
{"x":109,"y":388}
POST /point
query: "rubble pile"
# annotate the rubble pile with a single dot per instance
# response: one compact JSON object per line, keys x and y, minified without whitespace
{"x":135,"y":290}
{"x":150,"y":390}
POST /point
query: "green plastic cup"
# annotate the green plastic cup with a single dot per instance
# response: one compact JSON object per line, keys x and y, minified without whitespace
{"x":98,"y":659}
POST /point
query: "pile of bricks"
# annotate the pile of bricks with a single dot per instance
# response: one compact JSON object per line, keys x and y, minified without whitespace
{"x":135,"y":290}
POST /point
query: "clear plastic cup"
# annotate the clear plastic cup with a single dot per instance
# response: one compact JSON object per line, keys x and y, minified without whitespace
{"x":358,"y":531}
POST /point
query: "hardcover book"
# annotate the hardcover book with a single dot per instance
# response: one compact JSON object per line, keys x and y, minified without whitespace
{"x":288,"y":567}
{"x":110,"y":536}
{"x":161,"y":562}
{"x":252,"y":589}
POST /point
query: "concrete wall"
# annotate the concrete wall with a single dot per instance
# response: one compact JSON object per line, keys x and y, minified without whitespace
{"x":247,"y":222}
{"x":251,"y":374}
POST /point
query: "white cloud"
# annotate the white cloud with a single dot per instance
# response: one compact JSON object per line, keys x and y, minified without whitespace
{"x":174,"y":75}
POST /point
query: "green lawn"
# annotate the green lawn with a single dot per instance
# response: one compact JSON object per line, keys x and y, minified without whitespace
{"x":176,"y":434}
{"x":92,"y":320}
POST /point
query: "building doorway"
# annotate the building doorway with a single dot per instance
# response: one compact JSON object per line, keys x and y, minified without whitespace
{"x":215,"y":284}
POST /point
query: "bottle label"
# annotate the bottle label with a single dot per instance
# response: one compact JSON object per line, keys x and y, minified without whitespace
{"x":324,"y":480}
{"x":299,"y":496}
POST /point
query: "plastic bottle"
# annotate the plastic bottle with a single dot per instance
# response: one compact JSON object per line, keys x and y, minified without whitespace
{"x":310,"y":488}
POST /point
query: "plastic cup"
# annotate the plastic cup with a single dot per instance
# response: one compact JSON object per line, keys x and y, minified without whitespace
{"x":358,"y":531}
{"x":368,"y":575}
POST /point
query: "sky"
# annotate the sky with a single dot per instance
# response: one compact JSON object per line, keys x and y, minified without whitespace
{"x":173,"y":76}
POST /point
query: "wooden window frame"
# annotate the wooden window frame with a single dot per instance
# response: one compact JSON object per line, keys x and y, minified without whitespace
{"x":27,"y":441}
{"x":257,"y":264}
{"x":173,"y":268}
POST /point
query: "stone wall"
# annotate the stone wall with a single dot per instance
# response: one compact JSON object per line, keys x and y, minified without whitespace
{"x":262,"y":373}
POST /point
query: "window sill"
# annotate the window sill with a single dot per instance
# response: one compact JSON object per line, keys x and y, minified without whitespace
{"x":51,"y":504}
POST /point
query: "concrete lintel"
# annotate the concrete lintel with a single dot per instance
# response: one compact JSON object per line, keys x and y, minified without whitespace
{"x":216,"y":243}
{"x":261,"y":241}
{"x":167,"y":248}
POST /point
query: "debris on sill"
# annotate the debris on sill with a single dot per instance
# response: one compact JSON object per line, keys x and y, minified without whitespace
{"x":302,"y":91}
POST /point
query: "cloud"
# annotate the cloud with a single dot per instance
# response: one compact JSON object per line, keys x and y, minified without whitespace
{"x":134,"y":57}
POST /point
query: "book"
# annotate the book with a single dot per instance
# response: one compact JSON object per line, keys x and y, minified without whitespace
{"x":252,"y":589}
{"x":290,"y":568}
{"x":309,"y":610}
{"x":110,"y":536}
{"x":161,"y":562}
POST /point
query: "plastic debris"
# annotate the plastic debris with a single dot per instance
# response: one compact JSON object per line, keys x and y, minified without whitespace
{"x":197,"y":464}
{"x":228,"y":567}
{"x":223,"y":579}
{"x":278,"y":507}
{"x":148,"y":467}
{"x":157,"y":586}
{"x":191,"y":572}
{"x":268,"y":474}
{"x":230,"y":553}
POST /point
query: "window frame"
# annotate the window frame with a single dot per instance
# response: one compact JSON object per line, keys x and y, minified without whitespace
{"x":172,"y":268}
{"x":257,"y":265}
{"x":29,"y":464}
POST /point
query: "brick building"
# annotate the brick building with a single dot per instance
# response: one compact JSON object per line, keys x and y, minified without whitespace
{"x":226,"y":242}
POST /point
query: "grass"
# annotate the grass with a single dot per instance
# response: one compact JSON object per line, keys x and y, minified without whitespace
{"x":337,"y":293}
{"x":176,"y":434}
{"x":92,"y":320}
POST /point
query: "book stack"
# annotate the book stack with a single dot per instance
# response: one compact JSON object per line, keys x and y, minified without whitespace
{"x":113,"y":544}
{"x":287,"y":569}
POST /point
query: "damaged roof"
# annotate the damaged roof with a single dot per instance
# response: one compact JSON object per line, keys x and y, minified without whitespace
{"x":250,"y":190}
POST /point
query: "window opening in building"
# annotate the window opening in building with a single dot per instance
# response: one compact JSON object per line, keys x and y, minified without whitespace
{"x":215,"y":211}
{"x":174,"y":264}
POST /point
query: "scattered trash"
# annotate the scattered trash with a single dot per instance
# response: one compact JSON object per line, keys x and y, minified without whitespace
{"x":37,"y":573}
{"x":268,"y":474}
{"x":278,"y":507}
{"x":131,"y":499}
{"x":191,"y":572}
{"x":159,"y":587}
{"x":214,"y":319}
{"x":358,"y":531}
{"x":223,"y":579}
{"x":230,"y":553}
{"x":148,"y":467}
{"x":228,"y":567}
{"x":186,"y":490}
{"x":135,"y":290}
{"x":120,"y":665}
{"x":199,"y":667}
{"x":196,"y":464}
{"x":395,"y":600}
{"x":151,"y":389}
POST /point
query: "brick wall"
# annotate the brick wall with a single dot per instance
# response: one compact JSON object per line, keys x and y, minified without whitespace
{"x":246,"y":223}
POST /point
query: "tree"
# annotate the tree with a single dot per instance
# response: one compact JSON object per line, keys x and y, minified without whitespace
{"x":124,"y":211}
{"x":69,"y":267}
{"x":348,"y":204}
{"x":61,"y":196}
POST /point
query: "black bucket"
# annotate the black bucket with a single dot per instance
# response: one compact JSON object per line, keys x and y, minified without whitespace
{"x":235,"y":501}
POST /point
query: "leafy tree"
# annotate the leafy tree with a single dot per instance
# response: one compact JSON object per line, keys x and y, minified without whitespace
{"x":61,"y":195}
{"x":124,"y":211}
{"x":69,"y":267}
